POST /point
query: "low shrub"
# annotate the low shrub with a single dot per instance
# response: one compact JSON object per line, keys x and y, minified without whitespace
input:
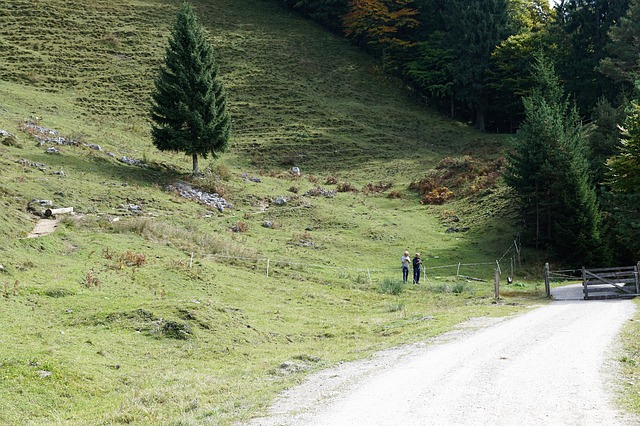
{"x":391,"y":286}
{"x":437,"y":196}
{"x":371,"y":188}
{"x":346,"y":187}
{"x":395,"y":194}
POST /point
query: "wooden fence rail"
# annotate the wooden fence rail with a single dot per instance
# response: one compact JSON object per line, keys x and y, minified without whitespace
{"x":600,"y":283}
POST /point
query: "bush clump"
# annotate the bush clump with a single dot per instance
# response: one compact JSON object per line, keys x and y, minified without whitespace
{"x":391,"y":286}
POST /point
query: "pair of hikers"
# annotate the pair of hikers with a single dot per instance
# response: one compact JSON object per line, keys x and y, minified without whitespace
{"x":416,"y":262}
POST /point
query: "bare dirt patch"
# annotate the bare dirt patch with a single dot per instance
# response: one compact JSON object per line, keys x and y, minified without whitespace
{"x":44,"y":227}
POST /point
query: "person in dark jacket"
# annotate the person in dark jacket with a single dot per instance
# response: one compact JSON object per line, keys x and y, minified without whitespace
{"x":417,"y":263}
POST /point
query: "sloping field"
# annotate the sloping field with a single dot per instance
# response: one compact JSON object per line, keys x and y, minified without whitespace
{"x":149,"y":307}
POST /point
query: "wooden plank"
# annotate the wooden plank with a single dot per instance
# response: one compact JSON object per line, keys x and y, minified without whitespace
{"x":615,"y":276}
{"x":619,"y":268}
{"x":628,"y":288}
{"x":604,"y":281}
{"x":621,"y":287}
{"x":601,"y":276}
{"x":607,"y":289}
{"x":600,"y":282}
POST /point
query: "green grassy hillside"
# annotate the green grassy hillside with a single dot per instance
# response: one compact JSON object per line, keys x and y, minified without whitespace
{"x":146,"y":307}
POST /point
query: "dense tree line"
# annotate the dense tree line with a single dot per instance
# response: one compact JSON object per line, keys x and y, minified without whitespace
{"x":564,"y":78}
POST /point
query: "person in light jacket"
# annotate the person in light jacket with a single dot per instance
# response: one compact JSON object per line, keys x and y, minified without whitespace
{"x":406,"y":261}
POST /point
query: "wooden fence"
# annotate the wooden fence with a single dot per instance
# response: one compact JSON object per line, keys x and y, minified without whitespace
{"x":600,"y":283}
{"x":610,"y":283}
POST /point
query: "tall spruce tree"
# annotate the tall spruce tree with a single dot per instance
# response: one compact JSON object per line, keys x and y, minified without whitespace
{"x":549,"y":171}
{"x":622,"y":62}
{"x":474,"y":29}
{"x":624,"y":199}
{"x":582,"y":34}
{"x":189,"y":102}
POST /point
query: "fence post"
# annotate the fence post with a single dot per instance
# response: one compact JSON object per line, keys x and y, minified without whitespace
{"x":637,"y":271}
{"x":512,"y":262}
{"x":267,"y":268}
{"x":585,"y":287}
{"x":547,"y":283}
{"x":191,"y":261}
{"x":496,"y":283}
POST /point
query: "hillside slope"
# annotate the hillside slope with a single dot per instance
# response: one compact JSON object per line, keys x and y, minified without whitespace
{"x":149,"y":307}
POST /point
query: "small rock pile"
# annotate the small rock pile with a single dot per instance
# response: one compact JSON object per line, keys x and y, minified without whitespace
{"x":320,"y":192}
{"x":44,"y":135}
{"x":248,"y":178}
{"x":209,"y":199}
{"x":40,"y":166}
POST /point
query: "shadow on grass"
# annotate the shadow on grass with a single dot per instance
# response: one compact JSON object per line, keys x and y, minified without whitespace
{"x":111,"y":168}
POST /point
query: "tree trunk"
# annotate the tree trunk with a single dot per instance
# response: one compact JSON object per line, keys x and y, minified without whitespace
{"x":196,"y":168}
{"x":452,"y":106}
{"x":480,"y":119}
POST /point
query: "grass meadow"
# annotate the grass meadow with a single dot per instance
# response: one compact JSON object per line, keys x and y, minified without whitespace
{"x":145,"y":307}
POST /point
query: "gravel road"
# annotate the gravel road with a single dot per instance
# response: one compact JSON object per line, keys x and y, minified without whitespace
{"x":554,"y":365}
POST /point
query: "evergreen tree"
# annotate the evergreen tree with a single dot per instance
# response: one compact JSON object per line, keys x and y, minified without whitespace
{"x":475,"y":28}
{"x":604,"y":138}
{"x":622,"y":62}
{"x":624,"y":199}
{"x":189,"y":101}
{"x":625,"y":167}
{"x":581,"y":34}
{"x":548,"y":170}
{"x":509,"y":75}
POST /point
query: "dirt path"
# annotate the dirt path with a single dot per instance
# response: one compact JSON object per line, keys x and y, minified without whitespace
{"x":43,"y":227}
{"x":551,"y":366}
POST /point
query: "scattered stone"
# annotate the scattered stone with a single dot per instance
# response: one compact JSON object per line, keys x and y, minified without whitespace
{"x":2,"y":268}
{"x":40,"y":166}
{"x":266,"y":224}
{"x":131,"y":161}
{"x":43,"y":374}
{"x":59,"y":173}
{"x":290,"y":367}
{"x":295,"y":171}
{"x":52,"y":150}
{"x":452,"y":229}
{"x":280,"y":201}
{"x":43,"y":203}
{"x":320,"y":192}
{"x":302,"y":243}
{"x":7,"y":138}
{"x":134,"y":208}
{"x":93,"y":146}
{"x":248,"y":178}
{"x":206,"y":198}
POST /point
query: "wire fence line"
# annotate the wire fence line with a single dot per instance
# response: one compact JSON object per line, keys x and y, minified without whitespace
{"x":512,"y":254}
